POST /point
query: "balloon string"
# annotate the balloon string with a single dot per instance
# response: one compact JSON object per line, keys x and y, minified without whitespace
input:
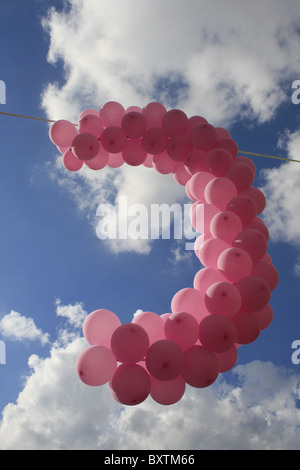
{"x":240,"y":151}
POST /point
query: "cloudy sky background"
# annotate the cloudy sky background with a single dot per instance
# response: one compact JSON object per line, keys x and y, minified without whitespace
{"x":231,"y":62}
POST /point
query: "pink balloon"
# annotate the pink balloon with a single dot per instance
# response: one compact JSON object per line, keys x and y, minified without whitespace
{"x":165,"y":360}
{"x":152,"y":323}
{"x":217,"y":333}
{"x":222,"y":133}
{"x":129,"y":343}
{"x":134,"y":124}
{"x":115,"y":160}
{"x":85,"y":146}
{"x":111,"y":114}
{"x":198,"y":183}
{"x":91,"y":124}
{"x":218,"y":161}
{"x":247,"y":326}
{"x":188,"y":192}
{"x":154,"y":113}
{"x":266,"y":271}
{"x":225,"y":226}
{"x":255,"y":293}
{"x":219,"y":192}
{"x":248,"y":162}
{"x":163,"y":163}
{"x":257,"y":196}
{"x":180,"y":175}
{"x":99,"y":161}
{"x":154,"y":141}
{"x":205,"y":277}
{"x":264,"y":316}
{"x":96,"y":365}
{"x":136,"y":109}
{"x":167,"y":392}
{"x":62,"y":133}
{"x":133,"y":153}
{"x":174,"y":122}
{"x":191,"y":301}
{"x":199,"y":242}
{"x":130,"y":384}
{"x":99,"y":326}
{"x":223,"y":298}
{"x":241,"y":175}
{"x":203,"y":136}
{"x":210,"y":251}
{"x":235,"y":264}
{"x":182,"y":328}
{"x":201,"y":367}
{"x":258,"y":224}
{"x":113,"y":139}
{"x":88,"y":111}
{"x":195,"y":161}
{"x":70,"y":162}
{"x":148,"y":163}
{"x":178,"y":147}
{"x":244,"y":207}
{"x":253,"y":242}
{"x":193,"y":121}
{"x":227,"y":144}
{"x":202,"y":215}
{"x":227,"y":359}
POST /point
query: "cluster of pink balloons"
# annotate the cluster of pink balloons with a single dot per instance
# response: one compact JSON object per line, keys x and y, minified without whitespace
{"x":229,"y":303}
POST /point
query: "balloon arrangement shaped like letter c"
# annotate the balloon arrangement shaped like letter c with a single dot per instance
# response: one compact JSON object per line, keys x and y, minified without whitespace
{"x":228,"y":305}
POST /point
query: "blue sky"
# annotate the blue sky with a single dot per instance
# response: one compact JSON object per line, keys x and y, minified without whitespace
{"x":53,"y":268}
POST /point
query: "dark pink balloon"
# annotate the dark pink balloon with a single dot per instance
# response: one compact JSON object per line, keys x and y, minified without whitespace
{"x":113,"y":139}
{"x":99,"y":161}
{"x":219,"y":192}
{"x":96,"y":365}
{"x":227,"y":359}
{"x":92,"y":124}
{"x":226,"y":226}
{"x":247,"y":326}
{"x":70,"y":162}
{"x":62,"y":133}
{"x":195,"y":161}
{"x":255,"y":293}
{"x":264,"y":316}
{"x":193,"y":121}
{"x":244,"y":207}
{"x":163,"y":163}
{"x":165,"y":360}
{"x":222,"y":133}
{"x":258,"y":224}
{"x":218,"y":161}
{"x":178,"y":147}
{"x":248,"y":162}
{"x":217,"y":333}
{"x":201,"y":367}
{"x":253,"y":242}
{"x":241,"y":175}
{"x":85,"y":146}
{"x":174,"y":122}
{"x":154,"y":141}
{"x":130,"y":384}
{"x":257,"y":196}
{"x":203,"y":136}
{"x":227,"y":144}
{"x":235,"y":264}
{"x":111,"y":114}
{"x":266,"y":271}
{"x":99,"y":326}
{"x":134,"y":153}
{"x":182,"y":328}
{"x":154,"y":113}
{"x":134,"y":124}
{"x":223,"y":298}
{"x":167,"y":392}
{"x":129,"y":343}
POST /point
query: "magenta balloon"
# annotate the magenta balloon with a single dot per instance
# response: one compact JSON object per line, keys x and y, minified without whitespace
{"x":191,"y":301}
{"x":96,"y":365}
{"x":201,"y":367}
{"x":266,"y":271}
{"x":133,"y":153}
{"x":222,"y":133}
{"x":178,"y":147}
{"x":195,"y":161}
{"x":165,"y":360}
{"x":225,"y":226}
{"x":253,"y":242}
{"x":85,"y":146}
{"x":167,"y":392}
{"x":129,"y":343}
{"x":202,"y":215}
{"x":154,"y":141}
{"x":70,"y":162}
{"x":241,"y":175}
{"x":235,"y":264}
{"x":217,"y":333}
{"x":115,"y":160}
{"x":247,"y":326}
{"x":111,"y":114}
{"x":203,"y":136}
{"x":91,"y":124}
{"x":255,"y":293}
{"x":130,"y":384}
{"x":154,"y":113}
{"x":99,"y":161}
{"x":227,"y":359}
{"x":152,"y":323}
{"x":62,"y":133}
{"x":205,"y":277}
{"x":223,"y":298}
{"x":99,"y":326}
{"x":218,"y":161}
{"x":198,"y":184}
{"x":180,"y":175}
{"x":258,"y":198}
{"x":210,"y":251}
{"x":248,"y":162}
{"x":113,"y":139}
{"x":163,"y":163}
{"x":264,"y":316}
{"x":227,"y":144}
{"x":182,"y":328}
{"x":258,"y":224}
{"x":219,"y":192}
{"x":244,"y":207}
{"x":134,"y":124}
{"x":174,"y":122}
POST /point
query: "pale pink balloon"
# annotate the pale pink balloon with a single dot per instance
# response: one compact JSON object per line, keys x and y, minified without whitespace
{"x":148,"y":163}
{"x":255,"y":293}
{"x":91,"y":124}
{"x":217,"y":333}
{"x":227,"y":359}
{"x":115,"y":160}
{"x":203,"y":136}
{"x":174,"y":122}
{"x":167,"y":392}
{"x":264,"y":316}
{"x":225,"y":226}
{"x":223,"y":298}
{"x":189,"y":300}
{"x":198,"y":184}
{"x":188,"y":192}
{"x":178,"y":147}
{"x":180,"y":175}
{"x":244,"y":207}
{"x":266,"y":271}
{"x":152,"y":323}
{"x":165,"y":360}
{"x":154,"y":141}
{"x":111,"y":114}
{"x":258,"y":198}
{"x":205,"y":277}
{"x":130,"y":384}
{"x":113,"y":139}
{"x":99,"y":161}
{"x":235,"y":264}
{"x":96,"y":365}
{"x":202,"y":215}
{"x":83,"y":113}
{"x":218,"y":161}
{"x":62,"y":133}
{"x":227,"y":144}
{"x":163,"y":163}
{"x":210,"y":251}
{"x":253,"y":242}
{"x":241,"y":175}
{"x":195,"y":161}
{"x":85,"y":146}
{"x":133,"y":152}
{"x":129,"y":343}
{"x":199,"y":242}
{"x":70,"y":162}
{"x":134,"y":124}
{"x":99,"y":326}
{"x":154,"y":113}
{"x":219,"y":192}
{"x":247,"y":325}
{"x":182,"y":328}
{"x":201,"y":367}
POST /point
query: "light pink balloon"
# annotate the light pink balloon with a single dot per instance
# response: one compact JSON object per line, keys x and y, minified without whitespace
{"x":205,"y":277}
{"x":133,"y":152}
{"x":165,"y":360}
{"x":85,"y":146}
{"x":148,"y":163}
{"x":152,"y":323}
{"x":113,"y":139}
{"x":163,"y":163}
{"x":218,"y":161}
{"x":202,"y":215}
{"x":247,"y":325}
{"x":235,"y":264}
{"x":266,"y":271}
{"x":227,"y":359}
{"x":255,"y":293}
{"x":203,"y":136}
{"x":257,"y":196}
{"x":174,"y":122}
{"x":154,"y":141}
{"x":134,"y":124}
{"x":178,"y":147}
{"x":62,"y":133}
{"x":265,"y":316}
{"x":154,"y":113}
{"x":188,"y":192}
{"x":210,"y":251}
{"x":180,"y":175}
{"x":198,"y":183}
{"x":195,"y":161}
{"x":111,"y":114}
{"x":130,"y":384}
{"x":225,"y":226}
{"x":217,"y":333}
{"x":115,"y":160}
{"x":182,"y":328}
{"x":201,"y":367}
{"x":96,"y":365}
{"x":219,"y":192}
{"x":223,"y":298}
{"x":253,"y":242}
{"x":99,"y":161}
{"x":227,"y":144}
{"x":241,"y":175}
{"x":70,"y":162}
{"x":191,"y":301}
{"x":91,"y":124}
{"x":129,"y":343}
{"x":167,"y":392}
{"x":99,"y":326}
{"x":88,"y":111}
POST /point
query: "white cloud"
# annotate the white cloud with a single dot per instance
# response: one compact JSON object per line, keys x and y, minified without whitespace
{"x":75,"y":314}
{"x":17,"y":327}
